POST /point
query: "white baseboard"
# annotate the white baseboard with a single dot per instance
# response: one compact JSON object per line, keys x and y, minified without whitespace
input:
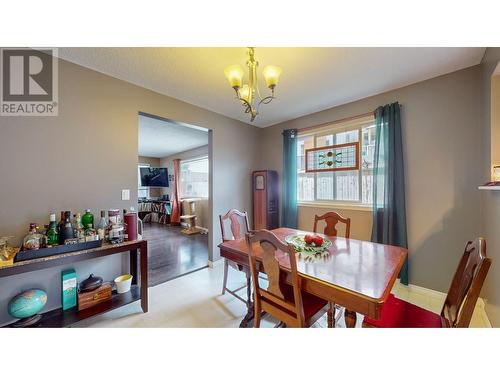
{"x":216,"y":263}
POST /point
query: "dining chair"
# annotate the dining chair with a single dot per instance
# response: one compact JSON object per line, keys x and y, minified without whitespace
{"x":331,"y":221}
{"x":287,"y":303}
{"x":239,"y":226}
{"x":458,"y":305}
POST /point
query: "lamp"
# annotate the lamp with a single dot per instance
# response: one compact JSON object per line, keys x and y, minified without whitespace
{"x":234,"y":75}
{"x":249,"y":93}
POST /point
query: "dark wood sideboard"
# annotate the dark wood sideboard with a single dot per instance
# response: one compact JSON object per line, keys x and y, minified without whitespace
{"x":138,"y":269}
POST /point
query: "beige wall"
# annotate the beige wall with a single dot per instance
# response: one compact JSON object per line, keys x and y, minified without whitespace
{"x":202,"y":206}
{"x":361,"y":220}
{"x":443,"y":152}
{"x":86,"y":155}
{"x":490,"y":200}
{"x":155,"y":163}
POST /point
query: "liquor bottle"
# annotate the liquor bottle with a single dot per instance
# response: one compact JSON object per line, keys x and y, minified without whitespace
{"x":88,"y":220}
{"x":52,"y":233}
{"x":60,"y":224}
{"x":33,"y":240}
{"x":78,"y":231}
{"x":125,"y":233}
{"x":102,"y":226}
{"x":66,"y":232}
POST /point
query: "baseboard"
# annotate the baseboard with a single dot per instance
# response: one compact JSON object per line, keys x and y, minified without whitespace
{"x":216,"y":263}
{"x":440,"y":295}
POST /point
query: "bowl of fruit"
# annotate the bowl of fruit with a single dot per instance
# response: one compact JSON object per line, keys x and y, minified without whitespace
{"x":311,"y":243}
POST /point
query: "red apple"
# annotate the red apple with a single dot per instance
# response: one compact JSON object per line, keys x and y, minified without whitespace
{"x":318,"y":240}
{"x":308,"y":238}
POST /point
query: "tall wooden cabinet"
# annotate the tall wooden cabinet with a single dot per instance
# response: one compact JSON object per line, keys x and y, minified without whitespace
{"x":265,"y":200}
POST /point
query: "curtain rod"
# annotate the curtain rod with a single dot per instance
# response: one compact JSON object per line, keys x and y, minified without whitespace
{"x":337,"y":121}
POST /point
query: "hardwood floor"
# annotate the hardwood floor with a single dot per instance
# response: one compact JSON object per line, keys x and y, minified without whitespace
{"x":173,"y":254}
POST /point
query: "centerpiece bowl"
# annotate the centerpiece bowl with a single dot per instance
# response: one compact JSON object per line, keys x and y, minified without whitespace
{"x":301,"y":246}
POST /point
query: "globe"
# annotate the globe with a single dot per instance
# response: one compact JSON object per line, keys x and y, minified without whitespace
{"x":27,"y":303}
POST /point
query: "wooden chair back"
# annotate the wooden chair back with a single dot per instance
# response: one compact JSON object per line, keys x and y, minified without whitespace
{"x":332,"y":219}
{"x":466,"y":284}
{"x":236,"y":219}
{"x":274,"y":299}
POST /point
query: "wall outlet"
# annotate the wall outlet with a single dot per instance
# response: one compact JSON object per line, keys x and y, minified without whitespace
{"x":125,"y":195}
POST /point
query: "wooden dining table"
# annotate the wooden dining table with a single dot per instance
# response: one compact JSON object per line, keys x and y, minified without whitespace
{"x":357,"y":275}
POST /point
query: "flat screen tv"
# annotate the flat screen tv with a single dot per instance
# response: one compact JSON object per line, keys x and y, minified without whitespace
{"x":154,"y":177}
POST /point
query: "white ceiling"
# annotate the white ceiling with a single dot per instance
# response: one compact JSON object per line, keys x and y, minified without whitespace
{"x":161,"y":138}
{"x":313,"y":79}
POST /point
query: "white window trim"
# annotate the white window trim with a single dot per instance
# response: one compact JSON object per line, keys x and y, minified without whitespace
{"x":357,"y":123}
{"x":349,"y":206}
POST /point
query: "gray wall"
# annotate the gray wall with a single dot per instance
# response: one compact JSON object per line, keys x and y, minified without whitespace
{"x":490,"y":200}
{"x":442,"y":136}
{"x":85,"y":156}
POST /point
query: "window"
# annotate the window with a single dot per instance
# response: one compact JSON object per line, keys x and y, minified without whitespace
{"x":346,"y":187}
{"x":194,"y":178}
{"x":142,"y":192}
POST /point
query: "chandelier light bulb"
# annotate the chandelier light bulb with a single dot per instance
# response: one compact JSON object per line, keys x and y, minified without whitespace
{"x":271,"y":75}
{"x":244,"y":92}
{"x":234,"y":75}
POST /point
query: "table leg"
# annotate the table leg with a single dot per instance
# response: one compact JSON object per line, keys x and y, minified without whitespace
{"x":133,"y":266}
{"x":247,"y":320}
{"x":144,"y":276}
{"x":350,"y":318}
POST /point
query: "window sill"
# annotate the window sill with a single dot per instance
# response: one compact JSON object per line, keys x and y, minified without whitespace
{"x":339,"y":206}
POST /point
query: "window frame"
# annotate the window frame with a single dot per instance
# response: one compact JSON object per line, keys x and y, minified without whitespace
{"x":203,"y":157}
{"x":349,"y":125}
{"x":139,"y":186}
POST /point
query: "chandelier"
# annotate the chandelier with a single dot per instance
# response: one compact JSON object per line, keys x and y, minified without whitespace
{"x":249,"y":93}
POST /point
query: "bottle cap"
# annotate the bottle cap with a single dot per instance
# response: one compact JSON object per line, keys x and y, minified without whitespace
{"x":87,"y":210}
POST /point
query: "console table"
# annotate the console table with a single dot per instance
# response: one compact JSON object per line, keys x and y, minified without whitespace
{"x":68,"y":318}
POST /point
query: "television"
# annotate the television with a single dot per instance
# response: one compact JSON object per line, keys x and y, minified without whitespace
{"x":154,"y":177}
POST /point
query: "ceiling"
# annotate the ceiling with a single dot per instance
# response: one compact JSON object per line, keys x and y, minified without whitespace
{"x":162,"y":138}
{"x":313,"y":79}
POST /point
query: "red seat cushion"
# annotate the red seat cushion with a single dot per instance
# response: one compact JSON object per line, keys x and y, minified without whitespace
{"x":397,"y":313}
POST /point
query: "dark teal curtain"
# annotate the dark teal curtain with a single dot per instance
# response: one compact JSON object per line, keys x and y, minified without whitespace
{"x":389,"y":215}
{"x":289,"y":195}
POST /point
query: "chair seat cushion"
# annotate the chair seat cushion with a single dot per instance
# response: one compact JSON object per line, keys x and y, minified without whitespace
{"x":314,"y":307}
{"x":397,"y":313}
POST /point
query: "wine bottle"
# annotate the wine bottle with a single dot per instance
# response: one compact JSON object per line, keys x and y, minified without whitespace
{"x":52,"y":234}
{"x":125,"y":233}
{"x":66,"y":232}
{"x":60,"y":224}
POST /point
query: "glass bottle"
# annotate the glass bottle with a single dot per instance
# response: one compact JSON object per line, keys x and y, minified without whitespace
{"x":124,"y":224}
{"x":102,"y":226}
{"x":88,"y":220}
{"x":66,"y":231}
{"x":60,"y":224}
{"x":78,"y":231}
{"x":33,"y":240}
{"x":52,"y":233}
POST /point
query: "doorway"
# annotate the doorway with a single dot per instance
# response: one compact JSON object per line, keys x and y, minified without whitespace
{"x":172,"y":157}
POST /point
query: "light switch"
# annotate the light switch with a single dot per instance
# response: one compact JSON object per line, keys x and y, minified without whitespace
{"x":125,"y":194}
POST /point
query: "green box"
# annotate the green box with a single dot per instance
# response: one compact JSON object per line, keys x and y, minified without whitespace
{"x":68,"y":280}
